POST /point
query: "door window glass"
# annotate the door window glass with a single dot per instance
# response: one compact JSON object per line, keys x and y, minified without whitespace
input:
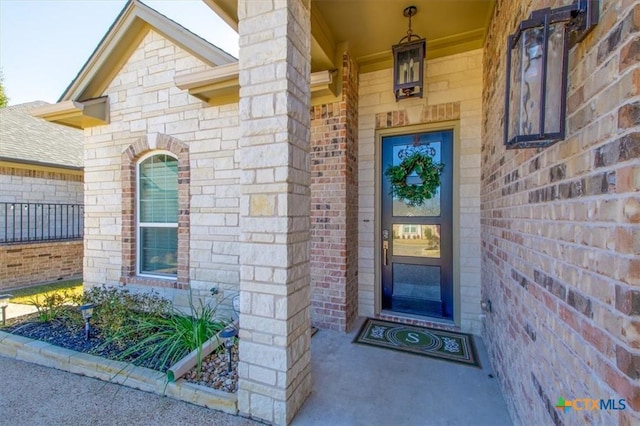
{"x":417,"y":240}
{"x":430,"y":207}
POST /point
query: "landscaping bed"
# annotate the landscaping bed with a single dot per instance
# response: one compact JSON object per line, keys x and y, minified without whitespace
{"x":142,"y":330}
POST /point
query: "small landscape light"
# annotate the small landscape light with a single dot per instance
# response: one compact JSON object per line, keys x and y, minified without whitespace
{"x":4,"y":302}
{"x":228,"y":333}
{"x":87,"y":312}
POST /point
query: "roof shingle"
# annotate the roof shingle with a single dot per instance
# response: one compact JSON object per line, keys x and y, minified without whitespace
{"x":31,"y":139}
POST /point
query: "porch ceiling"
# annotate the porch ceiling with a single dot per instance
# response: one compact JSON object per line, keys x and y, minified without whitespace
{"x":371,"y":27}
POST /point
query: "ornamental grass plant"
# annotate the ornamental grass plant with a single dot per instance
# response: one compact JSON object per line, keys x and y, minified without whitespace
{"x":162,"y":339}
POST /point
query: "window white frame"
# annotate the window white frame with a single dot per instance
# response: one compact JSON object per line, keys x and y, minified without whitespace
{"x":140,"y":224}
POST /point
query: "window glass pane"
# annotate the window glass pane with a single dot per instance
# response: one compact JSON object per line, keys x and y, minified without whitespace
{"x":159,"y":251}
{"x":159,"y":189}
{"x":417,"y":289}
{"x":416,"y":281}
{"x":416,"y":240}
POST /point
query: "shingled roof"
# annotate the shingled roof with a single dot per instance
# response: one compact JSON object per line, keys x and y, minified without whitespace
{"x":28,"y":139}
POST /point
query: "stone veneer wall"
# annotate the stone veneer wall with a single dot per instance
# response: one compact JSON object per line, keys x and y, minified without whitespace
{"x":334,"y":206}
{"x":560,"y":231}
{"x":274,"y":361}
{"x":453,"y":92}
{"x":146,"y":105}
{"x":23,"y":185}
{"x":37,"y":263}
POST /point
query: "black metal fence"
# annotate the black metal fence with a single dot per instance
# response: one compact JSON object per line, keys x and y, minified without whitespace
{"x":27,"y":222}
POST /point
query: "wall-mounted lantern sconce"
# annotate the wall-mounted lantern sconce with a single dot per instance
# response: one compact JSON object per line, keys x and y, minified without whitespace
{"x":536,"y":86}
{"x":408,"y":62}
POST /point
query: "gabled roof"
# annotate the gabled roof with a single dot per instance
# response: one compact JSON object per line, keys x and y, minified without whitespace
{"x":27,"y":139}
{"x":123,"y":37}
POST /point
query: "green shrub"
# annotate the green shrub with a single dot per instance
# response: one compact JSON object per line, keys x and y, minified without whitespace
{"x":118,"y":310}
{"x":52,"y":304}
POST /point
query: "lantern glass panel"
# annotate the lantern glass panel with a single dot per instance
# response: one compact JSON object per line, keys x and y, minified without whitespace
{"x":408,"y":66}
{"x":532,"y":74}
{"x":555,"y":79}
{"x":515,"y":90}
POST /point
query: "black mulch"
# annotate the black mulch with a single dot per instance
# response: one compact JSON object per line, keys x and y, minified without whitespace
{"x":67,"y":334}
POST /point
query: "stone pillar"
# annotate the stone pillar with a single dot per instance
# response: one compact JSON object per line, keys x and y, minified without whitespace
{"x":274,"y":368}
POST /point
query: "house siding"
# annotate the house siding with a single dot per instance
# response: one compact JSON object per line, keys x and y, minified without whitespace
{"x":560,"y":234}
{"x":23,"y":185}
{"x":36,"y":263}
{"x":24,"y":264}
{"x":144,"y":105}
{"x":453,"y":92}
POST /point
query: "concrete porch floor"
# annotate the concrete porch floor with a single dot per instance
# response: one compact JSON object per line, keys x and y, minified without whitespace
{"x":352,"y":385}
{"x":356,"y":384}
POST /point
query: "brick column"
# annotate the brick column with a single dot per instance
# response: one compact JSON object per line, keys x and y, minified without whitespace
{"x":334,"y":206}
{"x":274,"y":369}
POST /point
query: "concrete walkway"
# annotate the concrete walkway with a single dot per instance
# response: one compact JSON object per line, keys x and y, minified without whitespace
{"x":353,"y":385}
{"x":17,"y":310}
{"x":35,"y":395}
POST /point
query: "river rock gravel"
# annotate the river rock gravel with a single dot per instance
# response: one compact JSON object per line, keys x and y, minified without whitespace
{"x":215,"y":371}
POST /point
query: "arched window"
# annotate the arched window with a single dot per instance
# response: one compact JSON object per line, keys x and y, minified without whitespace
{"x":157,"y":215}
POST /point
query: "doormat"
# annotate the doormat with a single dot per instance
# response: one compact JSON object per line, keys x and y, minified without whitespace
{"x":440,"y":344}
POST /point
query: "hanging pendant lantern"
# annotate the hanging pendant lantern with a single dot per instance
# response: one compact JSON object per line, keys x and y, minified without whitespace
{"x":408,"y":62}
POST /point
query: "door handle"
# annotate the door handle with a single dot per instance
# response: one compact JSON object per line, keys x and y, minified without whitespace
{"x":385,"y":250}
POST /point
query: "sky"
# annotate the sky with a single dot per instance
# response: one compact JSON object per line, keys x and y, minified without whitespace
{"x":45,"y":43}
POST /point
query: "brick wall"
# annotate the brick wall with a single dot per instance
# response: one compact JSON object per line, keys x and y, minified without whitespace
{"x":26,"y":264}
{"x":144,"y":101}
{"x":334,"y":206}
{"x":560,"y":234}
{"x":23,"y":185}
{"x":453,"y":92}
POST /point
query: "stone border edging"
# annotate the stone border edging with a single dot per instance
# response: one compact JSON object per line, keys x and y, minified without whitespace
{"x":183,"y":366}
{"x":145,"y":379}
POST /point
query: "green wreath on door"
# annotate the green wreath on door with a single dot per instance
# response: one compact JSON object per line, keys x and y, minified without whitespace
{"x":417,"y":159}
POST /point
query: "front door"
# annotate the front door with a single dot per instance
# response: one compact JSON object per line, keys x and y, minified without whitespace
{"x":417,"y":243}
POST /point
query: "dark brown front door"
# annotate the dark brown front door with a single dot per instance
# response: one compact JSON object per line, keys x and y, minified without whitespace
{"x":417,"y":243}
